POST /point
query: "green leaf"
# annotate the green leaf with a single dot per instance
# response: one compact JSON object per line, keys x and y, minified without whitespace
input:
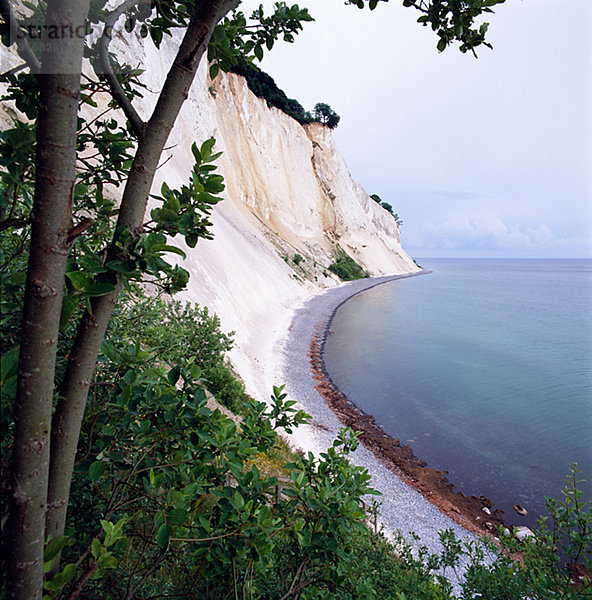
{"x":127,"y":267}
{"x":177,"y":516}
{"x":69,"y":303}
{"x":441,"y":45}
{"x":107,"y":562}
{"x":69,"y":572}
{"x":96,"y":470}
{"x":214,"y":184}
{"x":156,"y":34}
{"x":214,"y":70}
{"x":9,"y":365}
{"x":99,"y":289}
{"x":237,"y":500}
{"x":206,"y":148}
{"x":196,"y":153}
{"x":174,"y":250}
{"x":54,"y":547}
{"x":213,"y":157}
{"x":174,"y":203}
{"x":163,"y":535}
{"x":174,"y":374}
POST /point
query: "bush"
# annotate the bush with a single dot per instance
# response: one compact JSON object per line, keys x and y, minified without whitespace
{"x":346,"y":268}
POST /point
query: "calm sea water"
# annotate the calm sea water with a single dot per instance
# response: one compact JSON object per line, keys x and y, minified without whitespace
{"x":484,"y":367}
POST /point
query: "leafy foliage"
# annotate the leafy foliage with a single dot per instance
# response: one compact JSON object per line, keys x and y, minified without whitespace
{"x":323,"y":113}
{"x":346,"y":268}
{"x":451,"y":20}
{"x":238,"y":40}
{"x":264,"y":86}
{"x":388,"y":207}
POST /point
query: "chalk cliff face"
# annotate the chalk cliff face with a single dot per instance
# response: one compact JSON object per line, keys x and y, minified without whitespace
{"x":288,"y":191}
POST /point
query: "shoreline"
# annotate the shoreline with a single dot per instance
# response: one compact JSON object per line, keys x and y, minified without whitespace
{"x":407,"y":484}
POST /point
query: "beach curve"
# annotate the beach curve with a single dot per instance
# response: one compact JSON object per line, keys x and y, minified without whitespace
{"x":406,"y":506}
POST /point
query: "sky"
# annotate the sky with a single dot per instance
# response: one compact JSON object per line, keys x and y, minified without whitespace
{"x":487,"y":157}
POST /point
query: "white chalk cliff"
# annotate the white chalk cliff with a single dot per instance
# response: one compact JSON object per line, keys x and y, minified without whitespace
{"x":288,"y":191}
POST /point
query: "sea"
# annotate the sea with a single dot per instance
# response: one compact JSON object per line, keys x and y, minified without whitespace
{"x":483,"y":367}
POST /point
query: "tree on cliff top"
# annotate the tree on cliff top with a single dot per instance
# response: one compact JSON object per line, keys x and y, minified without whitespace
{"x":83,"y":249}
{"x":324,"y":114}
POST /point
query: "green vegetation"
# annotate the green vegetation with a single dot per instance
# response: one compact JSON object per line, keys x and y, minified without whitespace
{"x":346,"y":268}
{"x":298,"y":258}
{"x":264,"y":86}
{"x":324,"y":114}
{"x":388,"y":207}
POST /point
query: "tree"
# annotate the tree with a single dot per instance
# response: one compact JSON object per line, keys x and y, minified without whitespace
{"x":324,"y":114}
{"x":387,"y":207}
{"x":68,"y":267}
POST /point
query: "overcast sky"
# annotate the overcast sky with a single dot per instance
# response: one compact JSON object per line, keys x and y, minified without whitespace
{"x":479,"y":157}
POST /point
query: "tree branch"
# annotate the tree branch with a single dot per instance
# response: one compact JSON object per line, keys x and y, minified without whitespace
{"x":120,"y":96}
{"x":92,"y":567}
{"x":133,"y":591}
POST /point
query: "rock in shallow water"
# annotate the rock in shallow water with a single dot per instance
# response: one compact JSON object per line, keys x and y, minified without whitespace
{"x":520,"y":510}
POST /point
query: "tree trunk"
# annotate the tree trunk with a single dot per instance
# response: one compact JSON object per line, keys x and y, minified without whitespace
{"x":59,"y":83}
{"x":84,"y":353}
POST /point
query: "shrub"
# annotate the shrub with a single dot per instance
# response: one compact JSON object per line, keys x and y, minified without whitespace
{"x":388,"y":207}
{"x":346,"y":268}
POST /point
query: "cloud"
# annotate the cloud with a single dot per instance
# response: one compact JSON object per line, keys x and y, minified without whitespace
{"x":490,"y":233}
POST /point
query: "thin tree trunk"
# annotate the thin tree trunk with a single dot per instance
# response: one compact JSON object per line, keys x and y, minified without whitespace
{"x":70,"y":410}
{"x":59,"y":83}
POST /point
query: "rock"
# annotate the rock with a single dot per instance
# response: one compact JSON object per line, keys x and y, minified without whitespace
{"x":486,"y":510}
{"x":520,"y":510}
{"x":506,"y":532}
{"x":522,"y":533}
